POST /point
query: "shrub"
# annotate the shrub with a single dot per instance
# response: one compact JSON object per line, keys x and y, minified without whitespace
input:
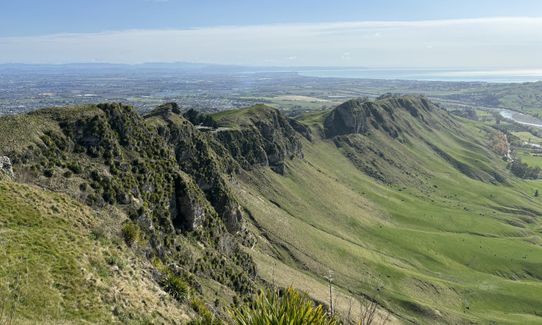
{"x":130,"y":233}
{"x":75,"y":168}
{"x":287,"y":307}
{"x":109,"y":195}
{"x":115,"y":260}
{"x":98,"y":233}
{"x":176,"y":286}
{"x":206,"y":316}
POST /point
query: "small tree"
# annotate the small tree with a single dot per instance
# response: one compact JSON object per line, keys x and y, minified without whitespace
{"x":536,"y":193}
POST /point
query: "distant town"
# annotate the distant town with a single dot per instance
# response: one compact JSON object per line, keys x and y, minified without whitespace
{"x":216,"y":88}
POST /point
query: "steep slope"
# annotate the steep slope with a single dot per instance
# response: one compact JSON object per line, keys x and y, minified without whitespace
{"x":172,"y":212}
{"x":375,"y":135}
{"x":61,"y":262}
{"x":166,"y":182}
{"x":400,"y":201}
{"x":260,"y":136}
{"x":441,"y":233}
{"x":195,"y":154}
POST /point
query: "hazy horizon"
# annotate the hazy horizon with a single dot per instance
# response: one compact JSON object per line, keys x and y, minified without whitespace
{"x":388,"y":34}
{"x":456,"y":43}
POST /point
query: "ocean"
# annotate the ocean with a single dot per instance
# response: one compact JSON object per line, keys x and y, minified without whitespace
{"x":467,"y":75}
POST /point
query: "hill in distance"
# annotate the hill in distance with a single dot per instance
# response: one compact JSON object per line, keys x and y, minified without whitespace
{"x":111,"y":216}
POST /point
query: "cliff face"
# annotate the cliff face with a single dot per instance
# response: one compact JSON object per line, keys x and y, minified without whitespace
{"x":260,"y":136}
{"x":195,"y":154}
{"x":386,"y":113}
{"x":120,"y":157}
{"x":5,"y":166}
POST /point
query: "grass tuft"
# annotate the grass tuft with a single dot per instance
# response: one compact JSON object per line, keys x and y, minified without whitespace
{"x":280,"y":308}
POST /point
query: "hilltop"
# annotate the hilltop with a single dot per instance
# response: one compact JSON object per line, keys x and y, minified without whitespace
{"x":403,"y":202}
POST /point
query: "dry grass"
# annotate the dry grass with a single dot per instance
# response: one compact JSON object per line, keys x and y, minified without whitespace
{"x":56,"y":268}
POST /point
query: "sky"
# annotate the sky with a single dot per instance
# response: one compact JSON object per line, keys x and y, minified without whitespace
{"x":377,"y":33}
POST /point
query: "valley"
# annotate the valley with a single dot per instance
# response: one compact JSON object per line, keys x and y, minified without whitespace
{"x":271,"y":162}
{"x":393,"y":198}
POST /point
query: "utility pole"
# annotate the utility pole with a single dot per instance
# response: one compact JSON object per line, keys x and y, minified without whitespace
{"x":329,"y":278}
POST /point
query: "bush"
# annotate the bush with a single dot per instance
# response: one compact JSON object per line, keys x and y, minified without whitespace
{"x":48,"y":172}
{"x":206,"y":316}
{"x":115,"y":260}
{"x":176,"y":286}
{"x":523,"y":170}
{"x":98,"y":233}
{"x":130,"y":233}
{"x":75,"y":168}
{"x":287,"y":307}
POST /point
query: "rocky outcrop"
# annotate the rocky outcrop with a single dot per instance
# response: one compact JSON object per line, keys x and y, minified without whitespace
{"x":262,"y":137}
{"x":196,"y":154}
{"x":5,"y":166}
{"x":358,"y":116}
{"x":159,"y":171}
{"x":301,"y":128}
{"x":389,"y":113}
{"x":188,"y":210}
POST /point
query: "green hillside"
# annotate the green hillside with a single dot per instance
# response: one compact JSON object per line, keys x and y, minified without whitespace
{"x":396,"y":199}
{"x":436,"y":237}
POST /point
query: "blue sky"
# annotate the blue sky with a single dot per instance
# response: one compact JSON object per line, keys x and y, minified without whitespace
{"x":364,"y":33}
{"x":38,"y":17}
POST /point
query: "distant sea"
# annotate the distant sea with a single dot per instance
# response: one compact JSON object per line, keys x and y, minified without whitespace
{"x":498,"y":76}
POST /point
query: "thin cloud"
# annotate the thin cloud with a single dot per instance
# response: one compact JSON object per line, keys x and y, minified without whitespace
{"x":483,"y":42}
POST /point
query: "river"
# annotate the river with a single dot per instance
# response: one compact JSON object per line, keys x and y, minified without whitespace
{"x":521,"y":118}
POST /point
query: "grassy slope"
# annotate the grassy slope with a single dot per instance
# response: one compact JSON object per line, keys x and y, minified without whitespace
{"x":236,"y":118}
{"x":59,"y":265}
{"x":454,"y":249}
